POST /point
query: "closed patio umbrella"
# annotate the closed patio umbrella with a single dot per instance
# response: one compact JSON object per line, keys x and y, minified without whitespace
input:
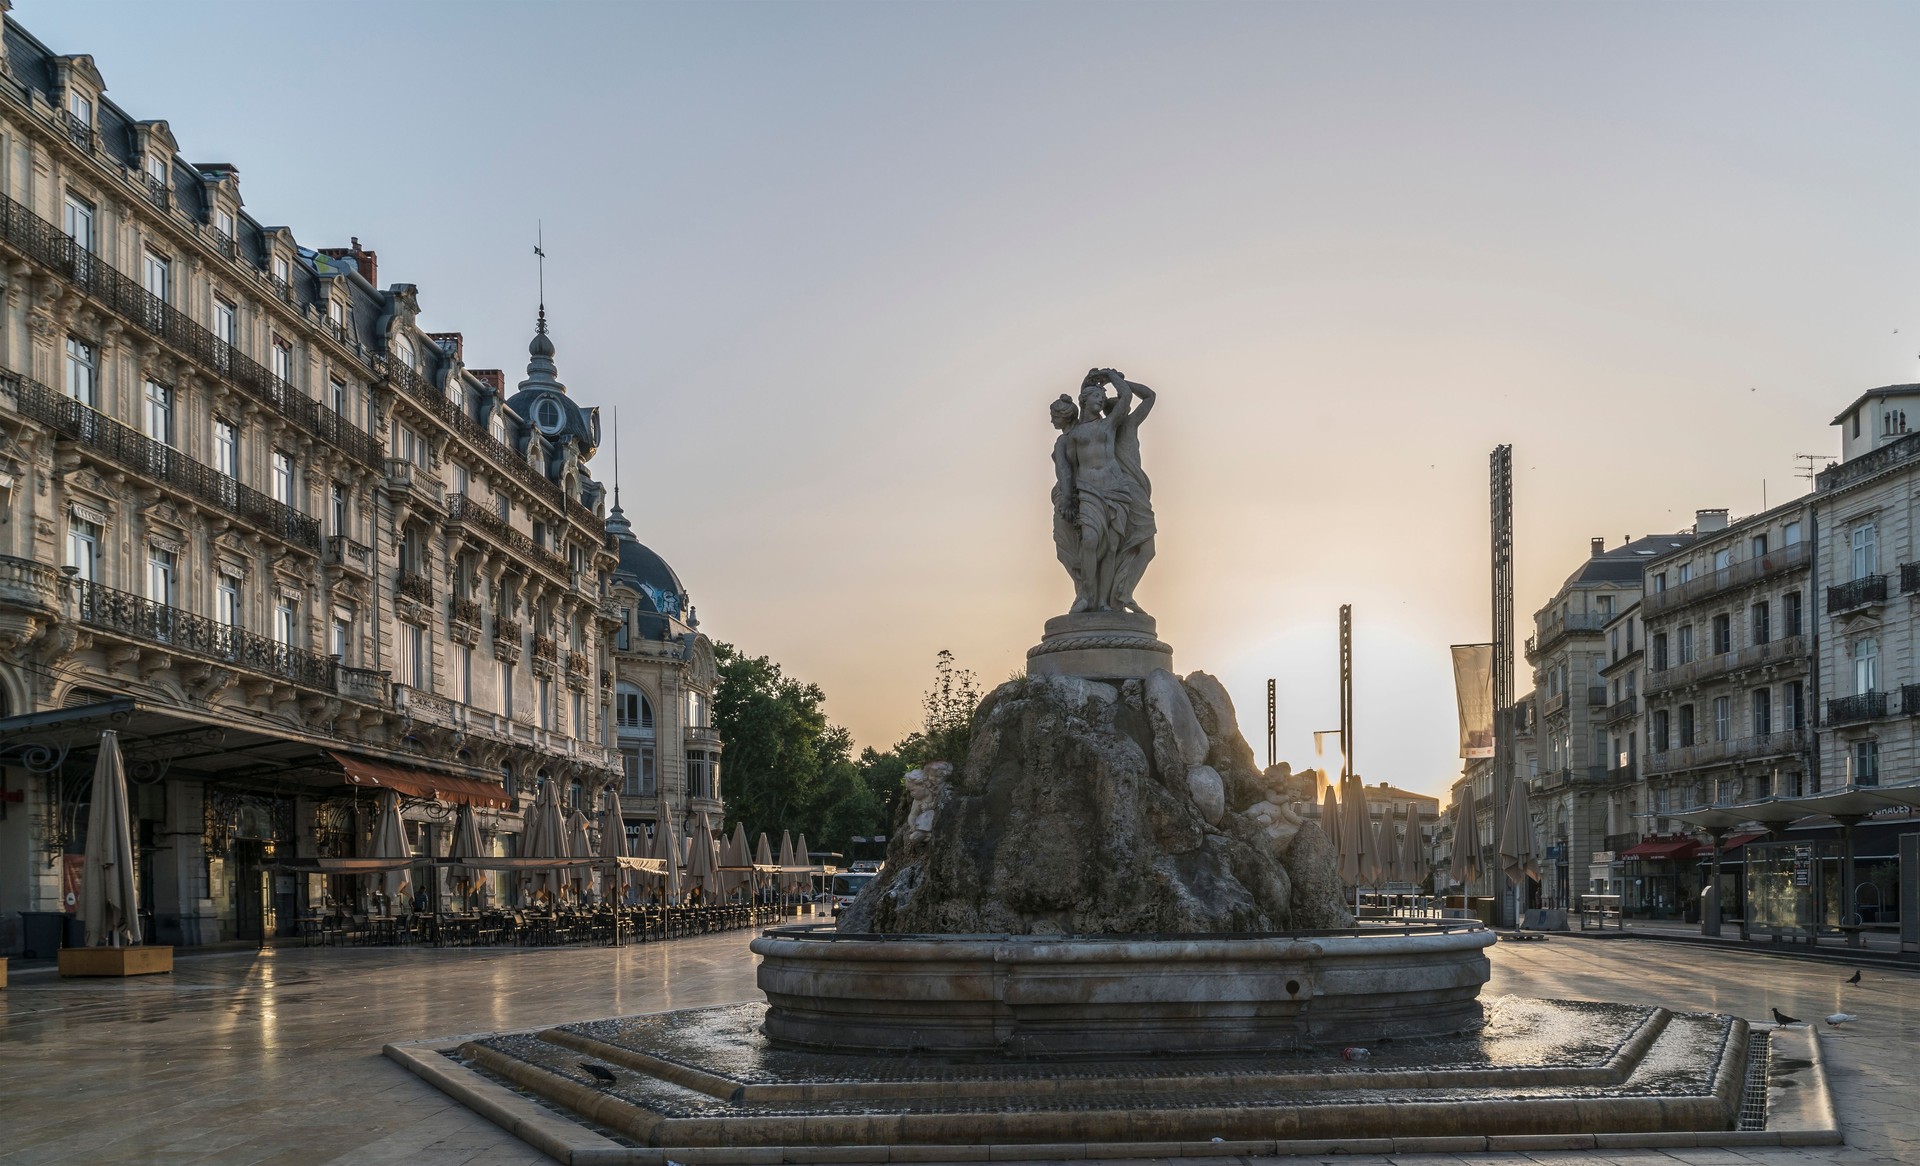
{"x":1412,"y":856}
{"x":1517,"y":853}
{"x":802,"y":858}
{"x":464,"y":844}
{"x":740,"y":857}
{"x":700,"y":864}
{"x":390,"y":841}
{"x":578,"y":846}
{"x":789,"y":881}
{"x":613,"y":843}
{"x":1359,"y":857}
{"x":1468,"y":858}
{"x":545,"y":836}
{"x":762,"y":857}
{"x":667,"y":848}
{"x":109,"y":901}
{"x":1330,"y":818}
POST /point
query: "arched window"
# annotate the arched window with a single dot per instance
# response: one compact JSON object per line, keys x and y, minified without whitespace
{"x":633,"y":714}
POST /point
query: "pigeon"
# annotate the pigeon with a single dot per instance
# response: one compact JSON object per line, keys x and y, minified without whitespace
{"x":599,"y":1073}
{"x":1853,"y":979}
{"x":1840,"y":1018}
{"x":1780,"y":1017}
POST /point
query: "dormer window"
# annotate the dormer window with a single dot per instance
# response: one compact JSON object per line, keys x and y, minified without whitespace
{"x":223,"y":223}
{"x":403,"y":351}
{"x":157,"y":171}
{"x":80,"y":108}
{"x":457,"y":393}
{"x":546,"y":415}
{"x":282,"y":269}
{"x":337,"y":312}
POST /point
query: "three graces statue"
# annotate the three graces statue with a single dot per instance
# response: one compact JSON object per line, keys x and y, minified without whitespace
{"x":1102,"y":501}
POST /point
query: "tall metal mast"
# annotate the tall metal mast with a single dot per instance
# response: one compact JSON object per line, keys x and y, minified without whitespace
{"x":1346,"y":689}
{"x":1500,"y":475}
{"x":1273,"y":736}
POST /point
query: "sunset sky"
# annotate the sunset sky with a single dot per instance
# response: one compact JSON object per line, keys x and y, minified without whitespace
{"x":831,"y":263}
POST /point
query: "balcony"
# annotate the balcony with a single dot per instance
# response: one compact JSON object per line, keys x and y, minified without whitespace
{"x":1859,"y":593}
{"x":1558,"y":627}
{"x":1557,"y":703}
{"x":1867,"y":464}
{"x":1788,"y":651}
{"x":43,"y":243}
{"x":1597,"y":696}
{"x":135,"y":451}
{"x":1910,"y":700}
{"x":1709,"y":753}
{"x":507,"y":635}
{"x":546,"y":656}
{"x":702,"y":737}
{"x":579,"y":670}
{"x":156,"y":192}
{"x":463,"y":511}
{"x":25,"y":584}
{"x":1620,"y":710}
{"x":79,"y":132}
{"x":353,"y":556}
{"x":463,"y":621}
{"x":129,"y":616}
{"x":1852,"y":710}
{"x":1623,"y":774}
{"x":411,"y":485}
{"x":1909,"y":577}
{"x":433,"y":709}
{"x":412,"y":596}
{"x":1737,"y":575}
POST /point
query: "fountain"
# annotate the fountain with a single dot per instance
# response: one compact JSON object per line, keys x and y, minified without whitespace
{"x":1106,"y":928}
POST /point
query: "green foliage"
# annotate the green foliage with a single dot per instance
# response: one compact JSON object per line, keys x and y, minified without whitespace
{"x":789,"y":768}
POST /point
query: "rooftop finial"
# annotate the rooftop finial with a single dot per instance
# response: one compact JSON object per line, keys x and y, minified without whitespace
{"x":539,"y":249}
{"x":616,"y":457}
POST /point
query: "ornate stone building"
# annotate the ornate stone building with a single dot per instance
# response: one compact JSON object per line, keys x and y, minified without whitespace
{"x":283,"y":539}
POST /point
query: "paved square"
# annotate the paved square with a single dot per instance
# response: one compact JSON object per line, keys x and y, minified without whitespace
{"x":275,"y":1058}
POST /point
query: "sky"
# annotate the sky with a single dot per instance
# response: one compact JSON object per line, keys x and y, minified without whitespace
{"x":831,"y":263}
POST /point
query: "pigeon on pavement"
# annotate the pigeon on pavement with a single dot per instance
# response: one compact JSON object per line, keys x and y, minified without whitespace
{"x":1840,"y":1018}
{"x":1853,"y":979}
{"x":599,"y":1073}
{"x":1780,"y":1017}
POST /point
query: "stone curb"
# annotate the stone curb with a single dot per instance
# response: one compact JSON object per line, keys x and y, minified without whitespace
{"x":549,"y":1133}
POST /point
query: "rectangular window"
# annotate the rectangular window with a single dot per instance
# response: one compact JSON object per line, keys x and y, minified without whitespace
{"x":1762,"y":712}
{"x":282,"y":270}
{"x":160,"y":575}
{"x":642,"y":780}
{"x":1660,"y":736}
{"x":1790,"y":613}
{"x":1684,"y":571}
{"x":578,"y":724}
{"x":1759,"y":546}
{"x":226,"y":600}
{"x":463,"y":662}
{"x":1604,"y":604}
{"x":1866,"y":665}
{"x":1722,"y":718}
{"x":506,"y":689}
{"x":159,"y":277}
{"x":83,"y":373}
{"x":1686,"y":644}
{"x":160,"y":412}
{"x":546,"y":703}
{"x":223,"y":223}
{"x":1762,"y":622}
{"x":1686,"y":725}
{"x":1794,"y":701}
{"x":283,"y":477}
{"x":337,"y":313}
{"x":1722,"y":559}
{"x":337,"y":395}
{"x":1791,"y":536}
{"x":1659,"y":581}
{"x":414,"y":667}
{"x":78,"y":221}
{"x":226,"y":323}
{"x":340,"y":639}
{"x":81,"y":109}
{"x":1722,"y":634}
{"x":83,"y":549}
{"x":286,"y":622}
{"x":620,"y":635}
{"x":1864,"y":762}
{"x":1659,"y":652}
{"x":226,"y":447}
{"x":282,"y":360}
{"x":503,"y":506}
{"x":337,"y":507}
{"x":1866,"y":550}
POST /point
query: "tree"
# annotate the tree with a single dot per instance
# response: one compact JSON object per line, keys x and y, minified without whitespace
{"x":944,"y":733}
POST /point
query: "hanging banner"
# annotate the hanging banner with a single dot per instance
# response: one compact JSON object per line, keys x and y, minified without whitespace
{"x":1473,"y":685}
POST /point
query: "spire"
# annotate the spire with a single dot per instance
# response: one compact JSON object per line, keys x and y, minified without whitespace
{"x":542,"y":373}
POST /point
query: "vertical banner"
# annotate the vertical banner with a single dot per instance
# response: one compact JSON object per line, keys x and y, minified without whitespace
{"x":1473,"y":685}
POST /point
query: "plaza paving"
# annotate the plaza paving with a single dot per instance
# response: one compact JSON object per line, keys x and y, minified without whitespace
{"x":274,"y":1058}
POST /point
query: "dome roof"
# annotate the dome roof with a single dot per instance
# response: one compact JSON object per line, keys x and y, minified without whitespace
{"x":543,"y":402}
{"x":644,"y":571}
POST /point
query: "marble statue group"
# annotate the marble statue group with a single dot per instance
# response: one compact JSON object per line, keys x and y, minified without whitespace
{"x":1102,"y":501}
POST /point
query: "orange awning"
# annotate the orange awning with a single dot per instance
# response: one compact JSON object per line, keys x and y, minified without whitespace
{"x":421,"y":783}
{"x":1670,"y":849}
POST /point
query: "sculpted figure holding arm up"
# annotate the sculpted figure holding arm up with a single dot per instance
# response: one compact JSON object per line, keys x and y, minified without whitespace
{"x":1103,"y":493}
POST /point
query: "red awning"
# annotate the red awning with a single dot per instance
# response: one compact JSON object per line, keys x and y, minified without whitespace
{"x":1736,"y":841}
{"x":1667,"y":849}
{"x":420,"y":783}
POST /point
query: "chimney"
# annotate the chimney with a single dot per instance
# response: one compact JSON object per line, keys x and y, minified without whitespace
{"x":451,"y":343}
{"x":493,"y":378}
{"x":1599,"y":547}
{"x":1708,"y":521}
{"x":367,"y":261}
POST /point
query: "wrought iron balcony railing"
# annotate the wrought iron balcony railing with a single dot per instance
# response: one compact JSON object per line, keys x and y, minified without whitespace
{"x":413,"y":585}
{"x":136,"y":451}
{"x":1751,"y":571}
{"x":1909,"y":577}
{"x":1851,"y":710}
{"x":546,"y":648}
{"x":1858,"y":593}
{"x":1596,"y":696}
{"x":463,"y":511}
{"x":466,"y":611}
{"x":1788,"y":650}
{"x":45,"y":244}
{"x":79,"y":132}
{"x":138,"y":618}
{"x":1708,"y":753}
{"x":1621,"y":709}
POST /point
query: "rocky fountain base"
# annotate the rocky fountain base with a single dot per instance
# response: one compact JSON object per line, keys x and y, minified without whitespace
{"x":1109,"y":936}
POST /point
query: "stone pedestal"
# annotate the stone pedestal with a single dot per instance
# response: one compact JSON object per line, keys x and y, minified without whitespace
{"x":146,"y":960}
{"x":1099,"y":645}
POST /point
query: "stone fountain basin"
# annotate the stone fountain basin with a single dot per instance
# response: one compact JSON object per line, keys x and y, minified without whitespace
{"x":1083,"y":996}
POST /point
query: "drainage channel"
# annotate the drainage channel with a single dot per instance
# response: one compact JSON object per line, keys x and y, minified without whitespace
{"x":1753,"y":1099}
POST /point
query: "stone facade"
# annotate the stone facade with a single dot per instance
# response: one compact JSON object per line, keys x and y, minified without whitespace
{"x":257,"y":518}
